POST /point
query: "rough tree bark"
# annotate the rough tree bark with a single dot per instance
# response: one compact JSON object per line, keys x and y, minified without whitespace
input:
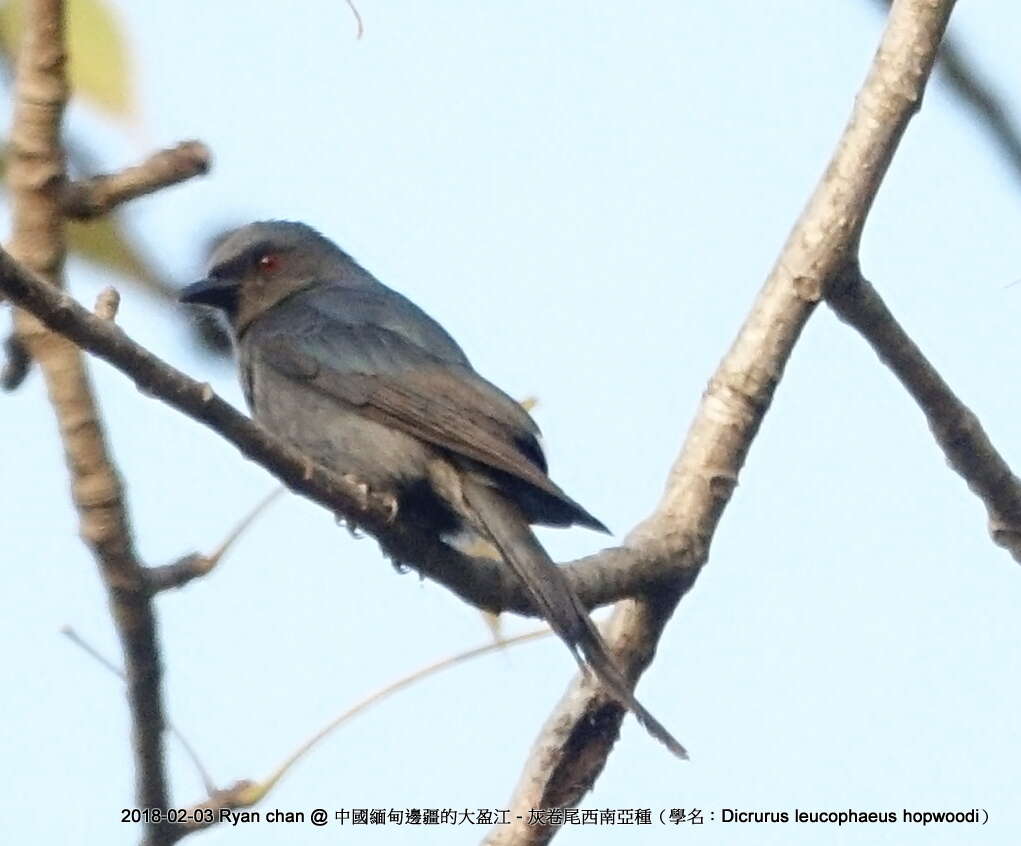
{"x":36,"y":174}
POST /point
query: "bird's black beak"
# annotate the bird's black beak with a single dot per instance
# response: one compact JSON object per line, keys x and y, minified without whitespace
{"x":218,"y":293}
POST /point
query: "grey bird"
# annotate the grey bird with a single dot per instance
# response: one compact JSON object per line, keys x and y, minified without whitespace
{"x":362,"y":381}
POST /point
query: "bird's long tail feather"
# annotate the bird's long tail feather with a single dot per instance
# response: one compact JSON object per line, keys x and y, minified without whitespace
{"x":509,"y":531}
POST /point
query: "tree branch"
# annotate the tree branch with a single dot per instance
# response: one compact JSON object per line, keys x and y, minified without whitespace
{"x":598,"y":579}
{"x":98,"y":195}
{"x":247,"y":793}
{"x":983,"y":100}
{"x":17,"y":362}
{"x":573,"y":745}
{"x":86,"y":199}
{"x":37,"y":175}
{"x":196,"y":565}
{"x":978,"y":95}
{"x":105,"y":662}
{"x":956,"y":429}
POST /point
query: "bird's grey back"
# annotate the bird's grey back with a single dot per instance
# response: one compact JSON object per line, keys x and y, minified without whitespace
{"x":339,"y":303}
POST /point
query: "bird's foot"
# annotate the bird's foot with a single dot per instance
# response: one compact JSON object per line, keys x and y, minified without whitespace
{"x":391,"y":506}
{"x":364,"y":496}
{"x":361,"y":490}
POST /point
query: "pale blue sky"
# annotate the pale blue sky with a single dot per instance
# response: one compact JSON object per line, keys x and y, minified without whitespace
{"x":587,"y":196}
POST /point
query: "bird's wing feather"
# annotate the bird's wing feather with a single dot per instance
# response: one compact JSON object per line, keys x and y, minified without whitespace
{"x":402,"y":385}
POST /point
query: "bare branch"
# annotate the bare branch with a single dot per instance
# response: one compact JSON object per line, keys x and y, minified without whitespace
{"x":598,"y":579}
{"x":107,"y":303}
{"x":99,"y":657}
{"x":956,"y":429}
{"x":985,"y":102}
{"x":36,"y":174}
{"x":576,"y":740}
{"x":981,"y":97}
{"x":358,"y":19}
{"x":246,"y":793}
{"x":88,"y":198}
{"x":197,"y":565}
{"x":17,"y":362}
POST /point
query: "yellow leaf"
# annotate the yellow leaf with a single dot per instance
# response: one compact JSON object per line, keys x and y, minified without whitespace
{"x":103,"y":242}
{"x":98,"y":57}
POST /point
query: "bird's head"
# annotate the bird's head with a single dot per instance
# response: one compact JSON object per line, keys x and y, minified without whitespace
{"x":259,"y":265}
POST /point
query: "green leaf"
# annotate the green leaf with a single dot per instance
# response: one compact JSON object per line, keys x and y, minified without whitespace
{"x":99,"y":65}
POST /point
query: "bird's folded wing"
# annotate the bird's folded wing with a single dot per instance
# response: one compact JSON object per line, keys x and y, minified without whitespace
{"x":400,"y":385}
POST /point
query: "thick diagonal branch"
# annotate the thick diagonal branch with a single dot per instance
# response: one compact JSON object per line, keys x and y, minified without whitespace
{"x":574,"y":744}
{"x":978,"y":95}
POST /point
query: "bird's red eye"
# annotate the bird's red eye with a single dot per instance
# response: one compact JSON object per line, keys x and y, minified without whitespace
{"x":269,"y":261}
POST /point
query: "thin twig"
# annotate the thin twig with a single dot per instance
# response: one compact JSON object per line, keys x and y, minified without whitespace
{"x":195,"y":565}
{"x":108,"y":302}
{"x":79,"y":641}
{"x":358,"y":18}
{"x":86,"y":199}
{"x":392,"y":688}
{"x":17,"y":363}
{"x":246,"y":793}
{"x":98,"y":195}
